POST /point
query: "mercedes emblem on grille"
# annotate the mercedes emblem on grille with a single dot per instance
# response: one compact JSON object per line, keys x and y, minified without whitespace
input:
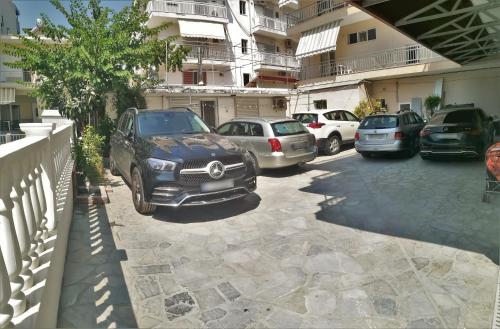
{"x":216,"y":169}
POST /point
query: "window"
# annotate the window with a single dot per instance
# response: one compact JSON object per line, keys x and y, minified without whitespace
{"x":379,"y":122}
{"x":244,"y":46}
{"x":243,"y":7}
{"x":404,"y":106}
{"x":351,"y":117}
{"x":353,"y":38}
{"x":306,"y":117}
{"x":246,"y":78}
{"x":320,"y":104}
{"x":362,"y":36}
{"x":224,"y":129}
{"x":239,"y":129}
{"x":129,"y":124}
{"x":372,"y":34}
{"x":335,"y":115}
{"x":191,"y":77}
{"x":288,"y":128}
{"x":418,"y":119}
{"x":122,"y":122}
{"x":256,"y":130}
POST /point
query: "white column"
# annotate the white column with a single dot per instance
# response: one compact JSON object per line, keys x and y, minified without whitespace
{"x":34,"y":178}
{"x":6,"y":311}
{"x":30,"y":207}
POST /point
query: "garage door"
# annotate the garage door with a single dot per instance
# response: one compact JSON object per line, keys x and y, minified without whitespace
{"x":194,"y":104}
{"x":247,"y":107}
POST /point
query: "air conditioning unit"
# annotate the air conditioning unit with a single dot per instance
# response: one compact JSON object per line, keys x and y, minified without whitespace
{"x":279,"y":103}
{"x":288,"y":43}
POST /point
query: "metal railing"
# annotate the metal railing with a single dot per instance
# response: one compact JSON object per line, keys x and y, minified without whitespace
{"x":6,"y":137}
{"x":270,"y":23}
{"x":208,"y":9}
{"x":215,"y":52}
{"x":316,"y":9}
{"x":390,"y":58}
{"x":15,"y":75}
{"x":277,"y":59}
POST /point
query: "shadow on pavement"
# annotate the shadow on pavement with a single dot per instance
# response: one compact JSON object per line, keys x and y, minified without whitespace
{"x":94,"y":292}
{"x":431,"y":201}
{"x":198,"y":214}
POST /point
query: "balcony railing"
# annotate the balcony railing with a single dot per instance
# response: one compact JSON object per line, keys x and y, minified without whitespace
{"x":187,"y":8}
{"x":10,"y":137}
{"x":15,"y":75}
{"x":270,"y":23}
{"x":287,"y":62}
{"x":317,"y":9}
{"x":36,"y":205}
{"x":397,"y":57}
{"x":214,"y":52}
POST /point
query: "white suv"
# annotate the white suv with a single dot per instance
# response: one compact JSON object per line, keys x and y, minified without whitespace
{"x":331,"y":128}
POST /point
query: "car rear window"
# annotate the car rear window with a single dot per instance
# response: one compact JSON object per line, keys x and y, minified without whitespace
{"x":306,"y":117}
{"x":379,"y":122}
{"x":288,"y":128}
{"x":462,"y":116}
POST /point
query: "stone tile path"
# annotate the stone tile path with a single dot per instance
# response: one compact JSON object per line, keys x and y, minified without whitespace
{"x":342,"y":243}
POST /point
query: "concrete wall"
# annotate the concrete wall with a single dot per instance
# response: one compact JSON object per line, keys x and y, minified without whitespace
{"x":346,"y":97}
{"x":480,"y":87}
{"x":226,"y":109}
{"x":266,"y":108}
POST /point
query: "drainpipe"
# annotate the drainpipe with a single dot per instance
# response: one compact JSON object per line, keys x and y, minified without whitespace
{"x":250,"y":8}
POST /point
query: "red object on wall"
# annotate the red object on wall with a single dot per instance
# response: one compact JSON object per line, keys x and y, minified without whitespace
{"x":493,"y":160}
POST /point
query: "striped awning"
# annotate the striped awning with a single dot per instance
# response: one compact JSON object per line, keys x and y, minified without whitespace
{"x":199,"y":29}
{"x":7,"y":95}
{"x":318,"y":40}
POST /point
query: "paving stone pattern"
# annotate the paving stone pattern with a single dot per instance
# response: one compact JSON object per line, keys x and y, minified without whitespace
{"x":342,"y":242}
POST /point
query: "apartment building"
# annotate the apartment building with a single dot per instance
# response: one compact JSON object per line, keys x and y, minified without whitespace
{"x":240,"y":63}
{"x":16,"y":105}
{"x":348,"y":55}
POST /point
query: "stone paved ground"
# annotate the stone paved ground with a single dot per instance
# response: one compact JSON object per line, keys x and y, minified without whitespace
{"x":343,"y":242}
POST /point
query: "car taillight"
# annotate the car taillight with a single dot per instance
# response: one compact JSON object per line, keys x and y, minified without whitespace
{"x":356,"y":136}
{"x":424,"y":132}
{"x":399,"y":135}
{"x":275,"y":144}
{"x":315,"y":125}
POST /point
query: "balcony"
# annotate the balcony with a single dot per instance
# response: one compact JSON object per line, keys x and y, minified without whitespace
{"x":207,"y":11}
{"x":391,"y":58}
{"x":317,"y":9}
{"x":292,"y":4}
{"x":218,"y":54}
{"x":275,"y":62}
{"x":15,"y":75}
{"x":271,"y":27}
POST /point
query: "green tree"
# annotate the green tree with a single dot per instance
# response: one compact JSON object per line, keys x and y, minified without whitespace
{"x":431,"y":103}
{"x":100,"y":51}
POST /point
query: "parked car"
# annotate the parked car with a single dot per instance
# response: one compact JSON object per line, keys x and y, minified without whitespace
{"x":272,"y":142}
{"x":171,"y":158}
{"x":463,"y":131}
{"x":389,"y":133}
{"x":332,"y":128}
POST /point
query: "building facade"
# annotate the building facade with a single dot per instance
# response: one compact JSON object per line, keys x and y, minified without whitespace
{"x":16,"y":106}
{"x":347,"y":55}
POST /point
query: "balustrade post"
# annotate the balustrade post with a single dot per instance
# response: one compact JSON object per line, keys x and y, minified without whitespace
{"x":9,"y":245}
{"x":18,"y":216}
{"x":30,"y":204}
{"x":6,"y":311}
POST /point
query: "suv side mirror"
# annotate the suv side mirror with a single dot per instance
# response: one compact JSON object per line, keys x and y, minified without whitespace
{"x":130,"y":136}
{"x":213,"y":130}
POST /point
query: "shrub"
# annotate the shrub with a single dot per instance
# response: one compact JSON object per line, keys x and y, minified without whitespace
{"x":105,"y":128}
{"x":87,"y":153}
{"x":431,"y":102}
{"x":364,"y":108}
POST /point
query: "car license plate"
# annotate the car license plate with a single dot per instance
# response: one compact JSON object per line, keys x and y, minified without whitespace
{"x":217,"y":186}
{"x":299,"y":146}
{"x":447,"y":136}
{"x":377,"y":136}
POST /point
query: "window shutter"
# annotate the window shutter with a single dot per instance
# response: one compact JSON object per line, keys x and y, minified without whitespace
{"x":205,"y":78}
{"x":187,"y":78}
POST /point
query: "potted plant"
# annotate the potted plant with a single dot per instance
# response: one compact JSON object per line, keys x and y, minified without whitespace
{"x":431,"y":103}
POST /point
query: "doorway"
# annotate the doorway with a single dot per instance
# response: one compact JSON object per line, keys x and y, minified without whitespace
{"x":208,"y":112}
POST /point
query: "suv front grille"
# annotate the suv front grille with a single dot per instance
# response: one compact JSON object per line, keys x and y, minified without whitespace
{"x":197,"y":179}
{"x":227,"y":160}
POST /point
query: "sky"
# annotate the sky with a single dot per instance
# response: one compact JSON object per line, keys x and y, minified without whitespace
{"x":30,"y":10}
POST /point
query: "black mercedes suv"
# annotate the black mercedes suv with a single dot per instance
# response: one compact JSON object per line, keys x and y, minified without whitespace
{"x":171,"y":158}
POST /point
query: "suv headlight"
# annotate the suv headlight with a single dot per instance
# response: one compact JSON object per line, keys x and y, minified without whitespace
{"x":161,"y":165}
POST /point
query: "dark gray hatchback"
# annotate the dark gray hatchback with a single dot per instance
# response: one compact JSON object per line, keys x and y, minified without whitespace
{"x":171,"y":158}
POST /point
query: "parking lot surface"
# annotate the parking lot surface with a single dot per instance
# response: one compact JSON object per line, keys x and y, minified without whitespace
{"x":340,"y":242}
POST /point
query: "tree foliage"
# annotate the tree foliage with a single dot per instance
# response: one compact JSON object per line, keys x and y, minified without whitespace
{"x":431,"y":103}
{"x":367,"y":107}
{"x":100,"y":51}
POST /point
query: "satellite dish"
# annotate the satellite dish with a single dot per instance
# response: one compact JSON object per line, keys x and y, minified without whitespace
{"x":39,"y":23}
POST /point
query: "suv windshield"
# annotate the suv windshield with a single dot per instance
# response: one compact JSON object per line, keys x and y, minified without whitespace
{"x":288,"y":128}
{"x":170,"y":123}
{"x":379,"y":122}
{"x":462,"y":116}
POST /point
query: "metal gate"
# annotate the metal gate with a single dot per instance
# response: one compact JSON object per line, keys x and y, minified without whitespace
{"x":247,"y":107}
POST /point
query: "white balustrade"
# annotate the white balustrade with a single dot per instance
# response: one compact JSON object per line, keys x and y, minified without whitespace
{"x":31,"y":170}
